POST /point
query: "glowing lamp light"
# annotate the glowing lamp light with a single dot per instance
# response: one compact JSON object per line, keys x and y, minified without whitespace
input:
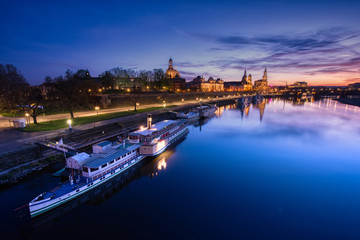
{"x":97,"y":108}
{"x":69,"y":122}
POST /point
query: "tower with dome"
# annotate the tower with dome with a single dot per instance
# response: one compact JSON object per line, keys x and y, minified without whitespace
{"x":171,"y":72}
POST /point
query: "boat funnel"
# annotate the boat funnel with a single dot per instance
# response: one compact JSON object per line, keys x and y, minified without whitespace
{"x":149,"y":120}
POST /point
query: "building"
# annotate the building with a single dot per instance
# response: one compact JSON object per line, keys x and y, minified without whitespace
{"x":246,"y":82}
{"x":298,"y":85}
{"x":128,"y":84}
{"x":262,"y":84}
{"x":233,"y":86}
{"x":211,"y":85}
{"x":171,"y":72}
{"x":178,"y":84}
{"x":354,"y":86}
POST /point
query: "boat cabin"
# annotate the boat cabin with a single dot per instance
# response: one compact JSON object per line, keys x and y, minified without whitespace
{"x":98,"y":164}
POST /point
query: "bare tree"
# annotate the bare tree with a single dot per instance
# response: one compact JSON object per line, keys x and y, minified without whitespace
{"x":30,"y":101}
{"x":146,"y":77}
{"x":69,"y":92}
{"x":11,"y":82}
{"x":134,"y":100}
{"x":107,"y":79}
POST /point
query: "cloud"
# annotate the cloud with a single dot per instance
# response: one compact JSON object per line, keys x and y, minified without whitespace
{"x":328,"y":51}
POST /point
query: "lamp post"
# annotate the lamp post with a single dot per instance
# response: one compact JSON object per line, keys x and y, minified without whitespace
{"x":69,"y":122}
{"x":97,"y":110}
{"x":27,"y":118}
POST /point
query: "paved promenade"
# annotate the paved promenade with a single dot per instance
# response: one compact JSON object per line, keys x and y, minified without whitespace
{"x":12,"y":139}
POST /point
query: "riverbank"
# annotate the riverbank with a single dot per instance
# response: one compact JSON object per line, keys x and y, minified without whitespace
{"x":18,"y":174}
{"x":62,"y":123}
{"x":14,"y":166}
{"x":350,"y":101}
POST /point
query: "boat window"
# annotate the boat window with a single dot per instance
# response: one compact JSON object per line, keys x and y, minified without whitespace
{"x":111,"y":162}
{"x":104,"y":165}
{"x":93,"y":169}
{"x":85,"y":169}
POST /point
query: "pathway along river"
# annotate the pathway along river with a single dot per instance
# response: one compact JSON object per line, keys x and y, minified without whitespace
{"x":269,"y":171}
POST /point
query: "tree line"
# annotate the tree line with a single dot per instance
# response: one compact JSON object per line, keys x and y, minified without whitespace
{"x":71,"y":91}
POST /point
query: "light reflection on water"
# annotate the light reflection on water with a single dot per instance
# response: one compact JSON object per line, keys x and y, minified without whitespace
{"x":273,"y":170}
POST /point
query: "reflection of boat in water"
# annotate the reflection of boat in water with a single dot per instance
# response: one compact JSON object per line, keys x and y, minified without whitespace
{"x":91,"y":171}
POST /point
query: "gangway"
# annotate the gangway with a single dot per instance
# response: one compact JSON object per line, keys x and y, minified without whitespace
{"x":59,"y":146}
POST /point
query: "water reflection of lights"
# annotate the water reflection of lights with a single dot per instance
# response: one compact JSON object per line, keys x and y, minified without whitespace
{"x":161,"y":164}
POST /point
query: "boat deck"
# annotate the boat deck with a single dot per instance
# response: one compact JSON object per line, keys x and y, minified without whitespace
{"x":64,"y":188}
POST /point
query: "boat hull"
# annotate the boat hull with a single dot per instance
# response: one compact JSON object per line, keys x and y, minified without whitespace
{"x":39,"y":207}
{"x":42,"y":206}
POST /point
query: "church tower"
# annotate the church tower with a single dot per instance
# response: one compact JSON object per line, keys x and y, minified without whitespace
{"x":264,"y":78}
{"x":171,"y":66}
{"x":249,"y":79}
{"x":244,"y":79}
{"x":171,"y":72}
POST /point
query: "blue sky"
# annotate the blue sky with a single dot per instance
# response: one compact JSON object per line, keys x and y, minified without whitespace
{"x":317,"y":42}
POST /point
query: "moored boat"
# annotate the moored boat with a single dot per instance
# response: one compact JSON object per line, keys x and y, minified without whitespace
{"x":88,"y":171}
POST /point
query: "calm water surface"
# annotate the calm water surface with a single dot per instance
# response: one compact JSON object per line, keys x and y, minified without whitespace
{"x":269,"y":171}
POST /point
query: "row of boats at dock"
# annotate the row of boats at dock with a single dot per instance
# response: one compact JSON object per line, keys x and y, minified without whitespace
{"x":203,"y":111}
{"x":86,"y":172}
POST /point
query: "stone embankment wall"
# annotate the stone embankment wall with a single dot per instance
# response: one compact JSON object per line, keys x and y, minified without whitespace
{"x":18,"y":164}
{"x":18,"y":157}
{"x":123,"y":100}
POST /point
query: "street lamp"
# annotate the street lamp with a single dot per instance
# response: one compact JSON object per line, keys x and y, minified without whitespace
{"x":97,"y":110}
{"x":27,"y":118}
{"x":69,"y":122}
{"x":164,"y":104}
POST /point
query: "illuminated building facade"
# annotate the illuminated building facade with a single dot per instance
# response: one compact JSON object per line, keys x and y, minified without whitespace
{"x":246,"y":82}
{"x":171,"y":72}
{"x":211,"y":85}
{"x":262,"y":84}
{"x":298,"y":85}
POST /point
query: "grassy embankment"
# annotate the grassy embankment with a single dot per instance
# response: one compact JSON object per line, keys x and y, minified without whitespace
{"x":61,"y":123}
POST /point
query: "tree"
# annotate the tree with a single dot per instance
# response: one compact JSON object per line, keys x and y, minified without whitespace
{"x":11,"y":82}
{"x":134,"y":100}
{"x":30,"y":101}
{"x":159,"y":77}
{"x":70,"y":92}
{"x":122,"y":76}
{"x":146,"y":77}
{"x":107,"y":79}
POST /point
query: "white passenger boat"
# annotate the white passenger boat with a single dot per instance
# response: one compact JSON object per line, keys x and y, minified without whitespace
{"x":107,"y":161}
{"x":206,"y":111}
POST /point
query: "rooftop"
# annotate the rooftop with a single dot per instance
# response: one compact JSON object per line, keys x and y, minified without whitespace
{"x":108,"y":155}
{"x":154,"y":128}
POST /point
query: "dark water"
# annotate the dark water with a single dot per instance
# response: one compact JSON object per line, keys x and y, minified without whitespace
{"x":269,"y":171}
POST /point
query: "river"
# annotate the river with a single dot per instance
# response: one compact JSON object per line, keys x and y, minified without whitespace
{"x":274,"y":170}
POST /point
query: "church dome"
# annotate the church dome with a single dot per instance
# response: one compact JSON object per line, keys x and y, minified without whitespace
{"x":171,"y":72}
